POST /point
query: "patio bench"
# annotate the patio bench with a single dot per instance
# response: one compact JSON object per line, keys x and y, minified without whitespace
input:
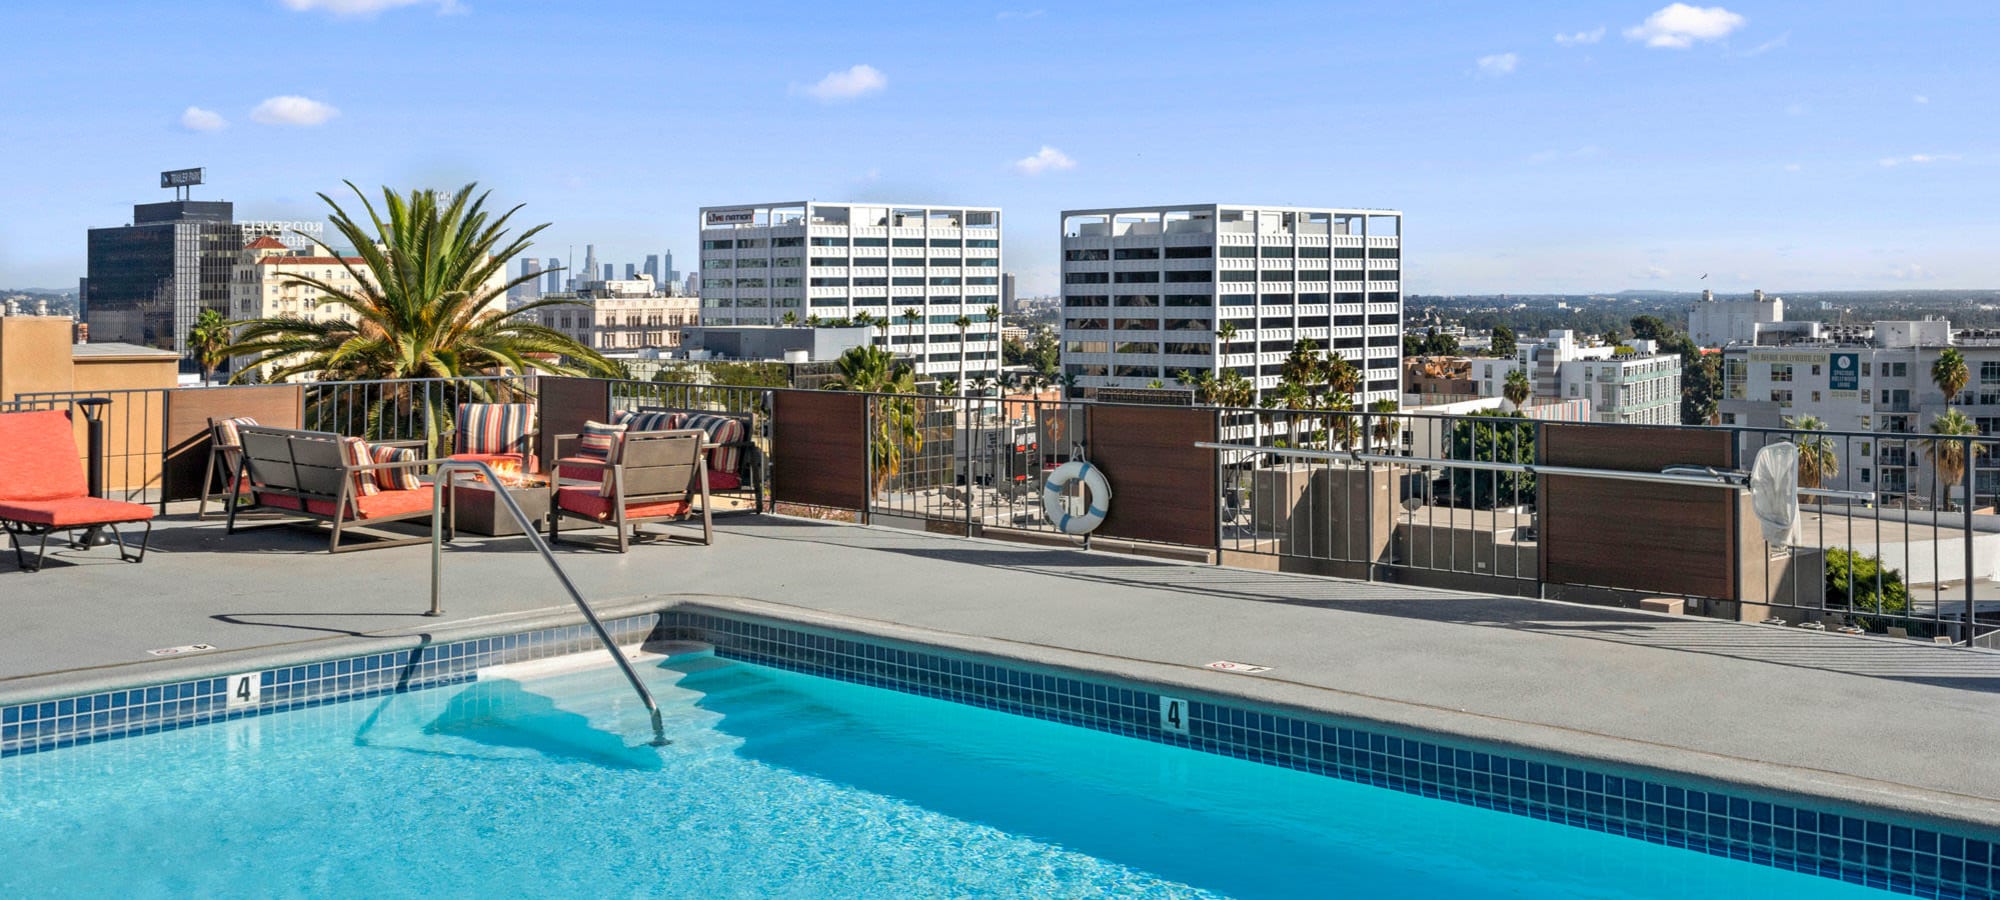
{"x":345,"y":481}
{"x":644,"y":476}
{"x":735,"y":462}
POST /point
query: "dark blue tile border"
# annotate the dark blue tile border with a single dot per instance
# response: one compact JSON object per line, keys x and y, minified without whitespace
{"x":1895,"y":856}
{"x":54,"y":724}
{"x":1899,"y":856}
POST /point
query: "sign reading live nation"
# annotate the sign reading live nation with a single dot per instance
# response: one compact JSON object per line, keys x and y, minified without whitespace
{"x":180,"y":178}
{"x":732,"y":216}
{"x":1845,"y":371}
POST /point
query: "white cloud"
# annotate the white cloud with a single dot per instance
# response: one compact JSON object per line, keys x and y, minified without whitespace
{"x":1048,"y":159}
{"x":367,"y":7}
{"x":1498,"y":64}
{"x":198,"y":119}
{"x":1651,"y":273}
{"x":1920,"y":99}
{"x":1581,"y":37}
{"x":1916,"y":159}
{"x":848,"y":84}
{"x":291,"y":109}
{"x":1911,"y":272}
{"x":1679,"y":26}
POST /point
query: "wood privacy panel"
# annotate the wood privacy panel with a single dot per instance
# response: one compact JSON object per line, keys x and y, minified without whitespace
{"x":1162,"y":486}
{"x":188,"y":412}
{"x":1660,"y":538}
{"x":819,"y":449}
{"x":564,"y":404}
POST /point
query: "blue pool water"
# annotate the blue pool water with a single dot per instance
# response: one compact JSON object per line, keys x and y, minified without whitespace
{"x":776,"y":785}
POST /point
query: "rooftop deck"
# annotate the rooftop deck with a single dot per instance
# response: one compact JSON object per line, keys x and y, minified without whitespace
{"x":1861,"y":718}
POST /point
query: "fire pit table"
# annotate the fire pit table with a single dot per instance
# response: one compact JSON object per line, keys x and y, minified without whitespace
{"x":476,"y":508}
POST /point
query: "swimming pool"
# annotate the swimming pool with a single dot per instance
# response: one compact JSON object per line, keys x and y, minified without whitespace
{"x":777,"y":783}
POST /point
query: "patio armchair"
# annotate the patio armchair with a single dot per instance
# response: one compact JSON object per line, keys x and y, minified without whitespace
{"x":735,"y":463}
{"x":225,"y":457}
{"x":645,"y":476}
{"x":343,"y":481}
{"x":43,"y":488}
{"x":496,"y":433}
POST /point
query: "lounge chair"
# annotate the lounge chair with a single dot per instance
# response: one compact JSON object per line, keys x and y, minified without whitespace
{"x":645,"y":476}
{"x":735,"y":463}
{"x":43,"y":488}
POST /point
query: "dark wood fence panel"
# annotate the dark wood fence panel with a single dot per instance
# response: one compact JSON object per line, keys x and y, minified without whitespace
{"x":187,"y":415}
{"x":564,"y":404}
{"x":1660,"y":538}
{"x":819,"y":449}
{"x":1162,"y":487}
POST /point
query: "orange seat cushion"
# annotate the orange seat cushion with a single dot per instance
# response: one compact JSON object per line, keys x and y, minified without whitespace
{"x":371,"y":506}
{"x":73,"y":512}
{"x":589,"y":472}
{"x":39,"y":459}
{"x":584,"y":500}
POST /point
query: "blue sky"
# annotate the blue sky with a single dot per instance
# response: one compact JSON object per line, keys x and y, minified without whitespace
{"x":1790,"y":146}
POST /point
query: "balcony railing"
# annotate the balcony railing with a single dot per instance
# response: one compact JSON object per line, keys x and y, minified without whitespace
{"x":1907,"y":554}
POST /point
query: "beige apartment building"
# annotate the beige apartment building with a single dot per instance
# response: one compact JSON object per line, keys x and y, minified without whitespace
{"x":629,"y":314}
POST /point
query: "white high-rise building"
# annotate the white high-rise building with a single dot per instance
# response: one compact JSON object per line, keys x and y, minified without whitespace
{"x":920,"y":268}
{"x":1147,"y":289}
{"x":1719,"y":323}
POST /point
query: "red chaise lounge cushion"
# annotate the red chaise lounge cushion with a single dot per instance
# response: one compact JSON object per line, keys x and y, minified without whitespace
{"x":39,"y":458}
{"x":71,"y":512}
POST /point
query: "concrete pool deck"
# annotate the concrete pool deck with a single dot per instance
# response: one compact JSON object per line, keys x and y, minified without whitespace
{"x":1885,"y":723}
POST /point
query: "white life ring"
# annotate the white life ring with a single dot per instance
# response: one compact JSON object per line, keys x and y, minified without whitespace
{"x":1076,"y":515}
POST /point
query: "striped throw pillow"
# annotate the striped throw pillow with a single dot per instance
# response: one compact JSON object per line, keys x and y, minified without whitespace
{"x":597,"y":440}
{"x":493,"y":428}
{"x":648,"y":421}
{"x":354,"y":452}
{"x":226,"y":431}
{"x":721,"y":430}
{"x":396,"y":479}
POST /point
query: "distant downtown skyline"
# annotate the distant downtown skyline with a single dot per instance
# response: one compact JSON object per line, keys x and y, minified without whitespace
{"x":1557,"y":148}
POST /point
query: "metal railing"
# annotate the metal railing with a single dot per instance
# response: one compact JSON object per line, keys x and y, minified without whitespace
{"x":529,"y":530}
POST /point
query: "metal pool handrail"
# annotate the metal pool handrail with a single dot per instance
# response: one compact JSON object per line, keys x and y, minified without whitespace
{"x":529,"y":531}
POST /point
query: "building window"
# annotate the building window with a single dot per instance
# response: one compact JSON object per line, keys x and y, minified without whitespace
{"x":1781,"y":397}
{"x":1781,"y":372}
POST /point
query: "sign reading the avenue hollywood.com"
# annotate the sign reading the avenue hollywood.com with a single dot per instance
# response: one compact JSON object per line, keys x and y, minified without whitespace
{"x":180,"y":178}
{"x":732,"y":216}
{"x":1844,"y":373}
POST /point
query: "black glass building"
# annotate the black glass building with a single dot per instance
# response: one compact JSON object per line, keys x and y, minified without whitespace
{"x":148,"y":280}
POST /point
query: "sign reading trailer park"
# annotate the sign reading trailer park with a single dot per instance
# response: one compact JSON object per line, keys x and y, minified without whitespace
{"x":731,"y":216}
{"x":180,"y":178}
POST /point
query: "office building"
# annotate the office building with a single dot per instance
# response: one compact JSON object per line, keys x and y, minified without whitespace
{"x":919,"y":268}
{"x":1632,"y":384}
{"x":147,"y":281}
{"x":1146,"y":289}
{"x":527,"y":291}
{"x":552,"y":283}
{"x":668,"y":273}
{"x":1007,"y":301}
{"x":620,"y":315}
{"x":590,"y":272}
{"x":652,"y":269}
{"x":1719,"y":323}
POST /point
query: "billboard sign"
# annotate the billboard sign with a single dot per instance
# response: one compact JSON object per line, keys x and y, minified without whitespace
{"x":732,"y":216}
{"x":1845,"y":372}
{"x":179,"y":178}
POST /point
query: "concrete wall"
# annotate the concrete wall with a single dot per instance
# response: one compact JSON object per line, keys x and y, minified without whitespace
{"x":35,"y":354}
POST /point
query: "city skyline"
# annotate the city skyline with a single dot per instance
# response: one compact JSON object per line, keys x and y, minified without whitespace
{"x":1559,"y":148}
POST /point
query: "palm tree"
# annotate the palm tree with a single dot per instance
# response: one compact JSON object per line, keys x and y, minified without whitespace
{"x":1946,"y":450}
{"x":1388,"y":430}
{"x":789,"y":318}
{"x":208,"y":342}
{"x":964,"y":324}
{"x":430,"y":304}
{"x":812,"y":321}
{"x":912,"y":318}
{"x":897,"y":434}
{"x":1950,"y":373}
{"x":1817,"y":461}
{"x":1224,"y":336}
{"x":1516,"y":389}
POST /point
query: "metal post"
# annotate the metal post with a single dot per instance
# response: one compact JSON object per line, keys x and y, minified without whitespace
{"x":1971,"y":612}
{"x":965,"y":435}
{"x":93,"y":414}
